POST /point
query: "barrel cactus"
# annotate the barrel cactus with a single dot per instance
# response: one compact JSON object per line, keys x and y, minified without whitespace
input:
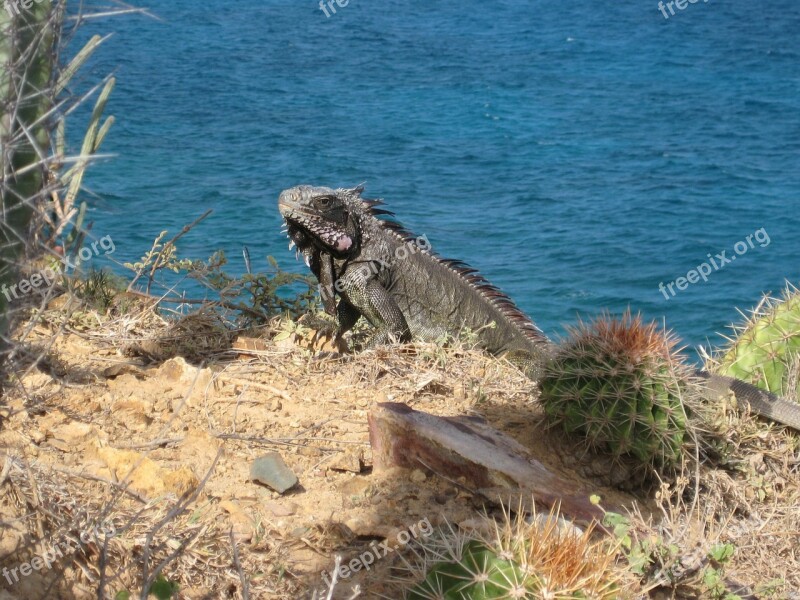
{"x":478,"y":572}
{"x":544,"y":558}
{"x":765,"y":351}
{"x":622,"y":385}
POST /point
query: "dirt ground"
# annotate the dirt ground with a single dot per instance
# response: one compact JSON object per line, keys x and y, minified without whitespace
{"x":148,"y":456}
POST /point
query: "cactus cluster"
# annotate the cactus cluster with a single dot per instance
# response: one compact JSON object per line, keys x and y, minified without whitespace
{"x":545,"y":558}
{"x":622,"y":385}
{"x":765,"y":351}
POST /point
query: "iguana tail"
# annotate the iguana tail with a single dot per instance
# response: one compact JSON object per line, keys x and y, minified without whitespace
{"x":761,"y":402}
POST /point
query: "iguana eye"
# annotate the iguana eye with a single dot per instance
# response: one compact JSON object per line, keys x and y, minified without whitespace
{"x":324,"y":201}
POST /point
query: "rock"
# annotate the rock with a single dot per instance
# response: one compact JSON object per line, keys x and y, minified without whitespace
{"x":467,"y":447}
{"x":367,"y":525}
{"x":350,"y":460}
{"x":272,"y":471}
{"x":418,"y":476}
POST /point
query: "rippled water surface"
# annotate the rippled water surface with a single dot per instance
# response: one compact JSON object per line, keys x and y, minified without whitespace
{"x":578,"y":153}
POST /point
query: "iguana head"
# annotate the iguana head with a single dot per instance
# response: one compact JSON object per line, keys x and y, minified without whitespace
{"x":323,"y":218}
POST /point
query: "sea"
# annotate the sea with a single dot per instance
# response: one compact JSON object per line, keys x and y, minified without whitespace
{"x":584,"y":156}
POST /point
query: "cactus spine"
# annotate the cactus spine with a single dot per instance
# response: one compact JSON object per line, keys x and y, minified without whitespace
{"x":27,"y":59}
{"x":621,"y":384}
{"x":543,"y":558}
{"x":765,"y":351}
{"x":33,"y":184}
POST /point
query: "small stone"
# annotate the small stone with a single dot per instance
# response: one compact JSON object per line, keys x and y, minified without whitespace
{"x":418,"y":476}
{"x":275,"y":405}
{"x":349,"y":461}
{"x":37,"y":437}
{"x":271,"y":470}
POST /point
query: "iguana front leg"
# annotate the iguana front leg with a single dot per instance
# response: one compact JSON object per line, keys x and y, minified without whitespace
{"x":366,"y":295}
{"x":346,"y":317}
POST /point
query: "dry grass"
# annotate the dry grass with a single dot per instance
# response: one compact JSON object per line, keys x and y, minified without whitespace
{"x":83,"y":400}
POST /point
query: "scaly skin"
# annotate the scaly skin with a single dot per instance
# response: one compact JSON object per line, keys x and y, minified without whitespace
{"x":390,"y":277}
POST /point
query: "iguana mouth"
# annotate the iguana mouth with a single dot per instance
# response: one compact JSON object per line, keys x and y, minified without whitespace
{"x":306,"y":227}
{"x":303,"y":232}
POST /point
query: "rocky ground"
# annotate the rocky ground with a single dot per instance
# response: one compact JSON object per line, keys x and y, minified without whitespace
{"x":104,"y":433}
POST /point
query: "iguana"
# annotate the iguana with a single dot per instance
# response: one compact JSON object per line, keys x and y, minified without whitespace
{"x":382,"y":272}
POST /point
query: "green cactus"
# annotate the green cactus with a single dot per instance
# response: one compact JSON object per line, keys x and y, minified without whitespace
{"x":27,"y":59}
{"x":37,"y":192}
{"x":765,"y":351}
{"x":543,"y":558}
{"x":479,"y":573}
{"x":621,"y":384}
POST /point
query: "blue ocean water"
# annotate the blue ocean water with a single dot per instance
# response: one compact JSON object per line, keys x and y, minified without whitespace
{"x":578,"y":153}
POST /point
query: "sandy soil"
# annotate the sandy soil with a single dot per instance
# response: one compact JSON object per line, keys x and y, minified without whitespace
{"x":94,"y":437}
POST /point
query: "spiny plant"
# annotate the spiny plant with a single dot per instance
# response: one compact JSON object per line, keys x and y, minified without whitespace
{"x":37,"y":194}
{"x":540,"y":558}
{"x":622,"y":385}
{"x":27,"y":63}
{"x":765,"y":350}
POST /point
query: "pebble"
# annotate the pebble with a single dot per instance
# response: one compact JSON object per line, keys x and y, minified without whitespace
{"x":418,"y":476}
{"x":271,"y":470}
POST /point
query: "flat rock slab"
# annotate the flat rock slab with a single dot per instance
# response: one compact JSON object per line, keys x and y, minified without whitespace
{"x":272,"y":471}
{"x":467,"y":447}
